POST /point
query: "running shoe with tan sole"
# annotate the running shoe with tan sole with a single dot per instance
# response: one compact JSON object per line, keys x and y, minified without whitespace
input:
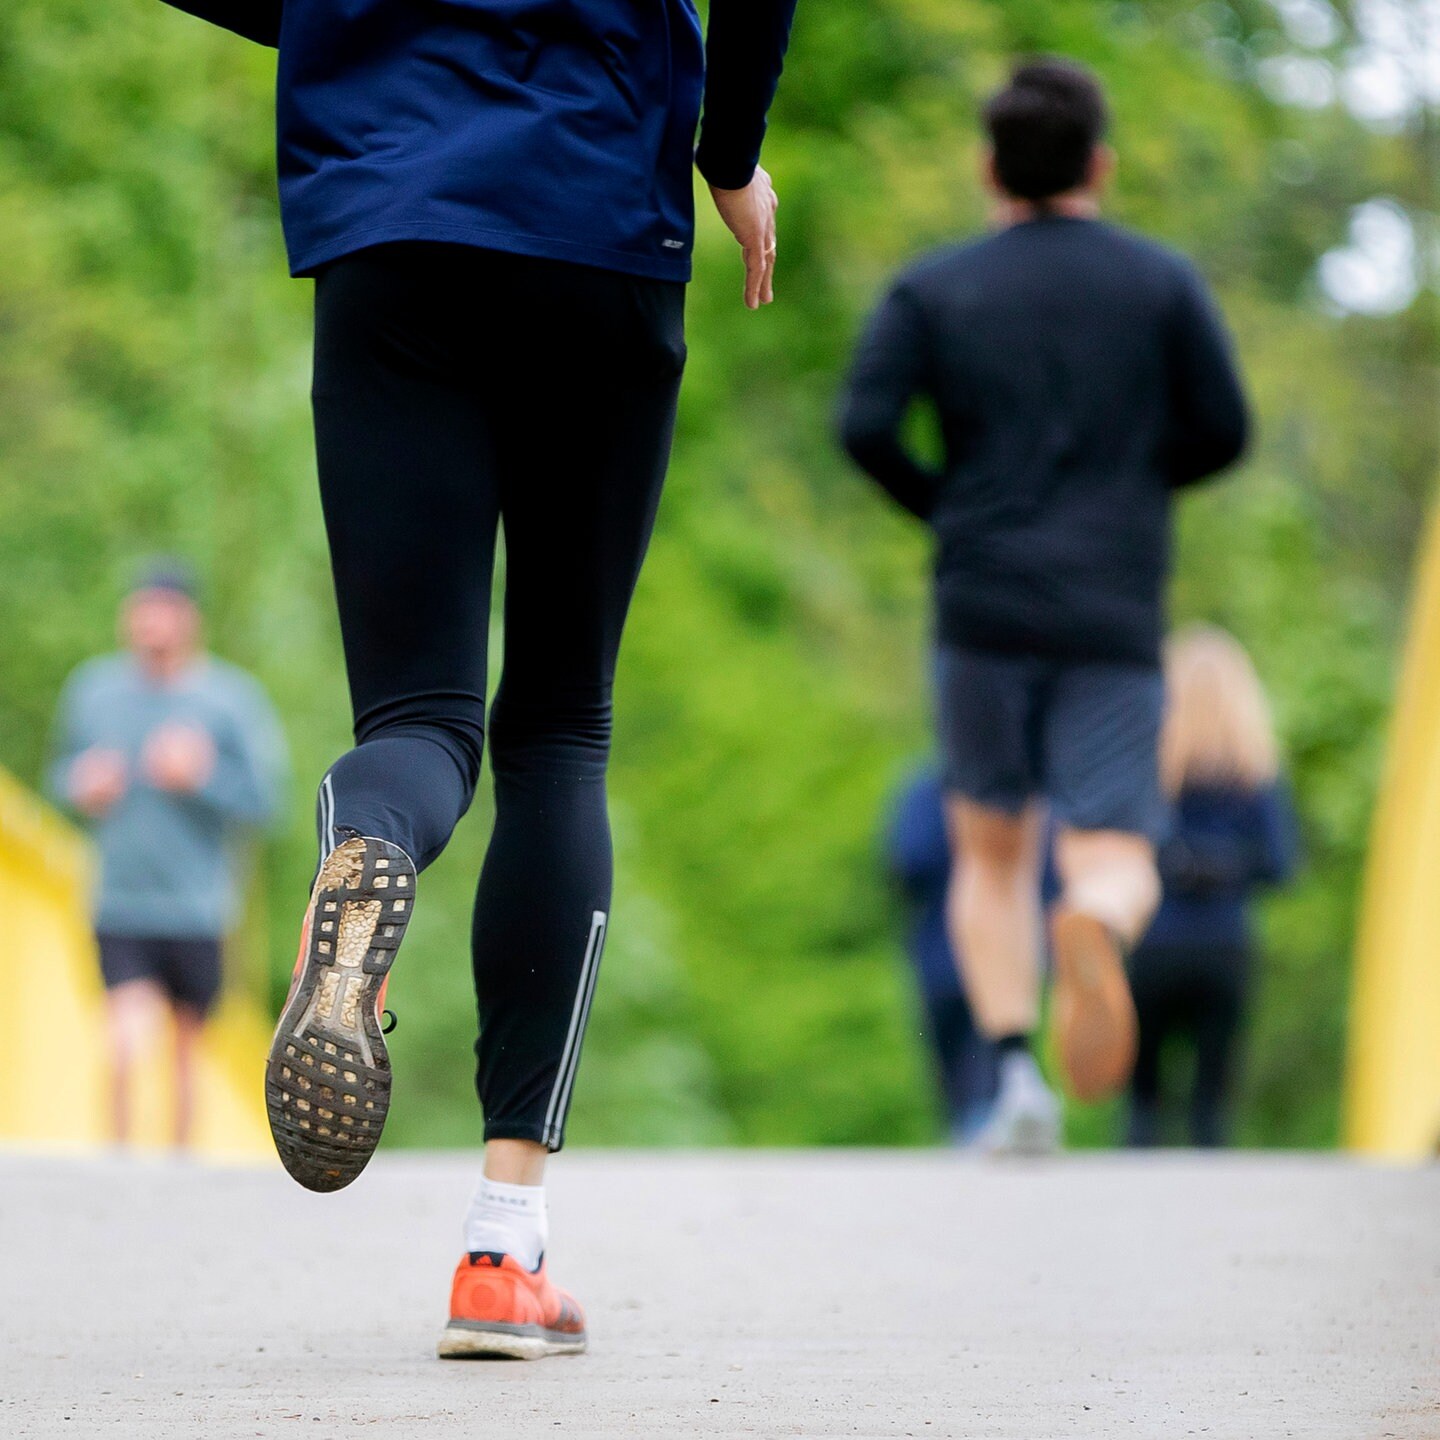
{"x":501,"y":1311}
{"x":327,"y":1078}
{"x":1093,"y":1016}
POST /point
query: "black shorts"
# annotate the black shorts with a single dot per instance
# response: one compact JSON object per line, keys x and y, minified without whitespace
{"x":187,"y":970}
{"x":1083,"y":735}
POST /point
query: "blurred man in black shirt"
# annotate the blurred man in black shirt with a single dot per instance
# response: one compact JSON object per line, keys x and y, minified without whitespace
{"x":1081,"y":375}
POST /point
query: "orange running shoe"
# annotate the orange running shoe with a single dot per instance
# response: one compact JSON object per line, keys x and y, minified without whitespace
{"x":327,"y":1078}
{"x":501,"y":1311}
{"x":1093,"y":1015}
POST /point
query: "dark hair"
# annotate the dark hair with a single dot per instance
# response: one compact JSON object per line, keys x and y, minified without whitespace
{"x":1044,"y":127}
{"x":166,"y":572}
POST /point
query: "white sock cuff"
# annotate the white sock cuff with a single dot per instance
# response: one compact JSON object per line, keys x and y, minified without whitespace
{"x":508,"y":1218}
{"x":510,"y":1199}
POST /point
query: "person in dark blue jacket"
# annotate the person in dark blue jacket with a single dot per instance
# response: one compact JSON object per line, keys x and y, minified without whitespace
{"x":494,"y":198}
{"x":918,"y":852}
{"x":1231,"y":832}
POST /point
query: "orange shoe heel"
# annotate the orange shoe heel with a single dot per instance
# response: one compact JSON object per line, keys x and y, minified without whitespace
{"x":501,"y":1311}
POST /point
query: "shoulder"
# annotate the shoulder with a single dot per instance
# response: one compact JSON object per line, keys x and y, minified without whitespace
{"x":1148,"y":257}
{"x":932,"y":285}
{"x":98,"y":675}
{"x":1173,"y":276}
{"x":943,"y":265}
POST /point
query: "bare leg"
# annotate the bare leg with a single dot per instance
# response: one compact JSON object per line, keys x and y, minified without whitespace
{"x":1111,"y":876}
{"x":188,"y":1026}
{"x":515,"y":1162}
{"x":1111,"y":889}
{"x":501,"y":1303}
{"x":132,"y":1010}
{"x":507,"y":1213}
{"x":994,"y":913}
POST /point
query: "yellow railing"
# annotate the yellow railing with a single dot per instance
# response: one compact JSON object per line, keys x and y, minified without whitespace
{"x":1393,"y":1087}
{"x":53,"y":1064}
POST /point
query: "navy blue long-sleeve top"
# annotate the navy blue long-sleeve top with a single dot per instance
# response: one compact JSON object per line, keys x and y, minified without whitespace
{"x":1080,"y":374}
{"x":563,"y":129}
{"x":1222,"y":846}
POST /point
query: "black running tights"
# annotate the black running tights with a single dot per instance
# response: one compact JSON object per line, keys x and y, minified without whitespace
{"x":1194,"y":993}
{"x":456,"y":391}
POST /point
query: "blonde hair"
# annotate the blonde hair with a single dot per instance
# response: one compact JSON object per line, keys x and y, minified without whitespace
{"x":1218,"y":729}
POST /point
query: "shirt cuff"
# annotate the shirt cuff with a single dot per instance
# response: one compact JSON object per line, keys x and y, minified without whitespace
{"x":724,"y":172}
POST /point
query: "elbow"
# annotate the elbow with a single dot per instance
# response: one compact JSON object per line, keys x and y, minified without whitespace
{"x":1215,"y":450}
{"x":860,"y":435}
{"x":1285,"y":869}
{"x":1228,"y":441}
{"x":850,"y":429}
{"x":1234,"y":431}
{"x":1232,"y":442}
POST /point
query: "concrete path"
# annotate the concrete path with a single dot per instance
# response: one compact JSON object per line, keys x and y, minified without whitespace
{"x":736,"y":1294}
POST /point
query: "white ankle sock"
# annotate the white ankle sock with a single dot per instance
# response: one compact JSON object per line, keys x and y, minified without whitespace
{"x":509,"y":1218}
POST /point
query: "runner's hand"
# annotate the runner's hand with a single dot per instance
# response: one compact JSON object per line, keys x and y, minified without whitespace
{"x":97,"y":780}
{"x":179,"y":757}
{"x":750,"y":214}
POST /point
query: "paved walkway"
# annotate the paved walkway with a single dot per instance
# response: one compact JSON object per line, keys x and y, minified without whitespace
{"x":736,"y":1294}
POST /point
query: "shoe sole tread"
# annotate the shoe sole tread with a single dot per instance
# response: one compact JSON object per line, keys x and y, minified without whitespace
{"x":327,"y":1076}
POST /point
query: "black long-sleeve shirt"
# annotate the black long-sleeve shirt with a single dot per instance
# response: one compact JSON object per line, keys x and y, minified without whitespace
{"x":1081,"y":373}
{"x":560,"y":130}
{"x":744,"y":54}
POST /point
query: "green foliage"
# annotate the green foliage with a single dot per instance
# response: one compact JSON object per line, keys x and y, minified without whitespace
{"x":153,"y":369}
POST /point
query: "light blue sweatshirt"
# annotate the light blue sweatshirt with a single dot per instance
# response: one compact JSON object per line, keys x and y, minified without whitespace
{"x":167,"y":861}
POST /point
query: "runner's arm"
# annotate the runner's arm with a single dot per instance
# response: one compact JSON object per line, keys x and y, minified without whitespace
{"x":917,"y":845}
{"x":745,"y":52}
{"x":68,"y":740}
{"x":1210,"y":424}
{"x":248,"y":781}
{"x":257,"y":20}
{"x":1280,"y":855}
{"x":890,"y":370}
{"x":744,"y":55}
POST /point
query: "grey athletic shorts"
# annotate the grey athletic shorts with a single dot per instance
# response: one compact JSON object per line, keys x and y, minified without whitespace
{"x":1082,"y":735}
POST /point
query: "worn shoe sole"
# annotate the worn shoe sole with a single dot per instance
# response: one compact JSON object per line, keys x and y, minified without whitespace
{"x":327,"y":1078}
{"x":491,"y":1340}
{"x":1095,"y":1028}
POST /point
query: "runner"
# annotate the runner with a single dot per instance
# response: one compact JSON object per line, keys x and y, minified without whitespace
{"x":917,"y":848}
{"x":1232,"y":831}
{"x":1081,"y":376}
{"x":496,"y":204}
{"x":169,"y":756}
